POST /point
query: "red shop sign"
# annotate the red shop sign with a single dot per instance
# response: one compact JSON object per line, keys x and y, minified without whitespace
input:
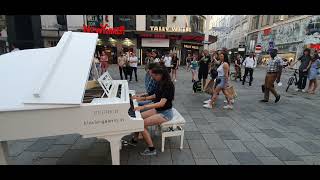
{"x":104,"y":29}
{"x":315,"y":46}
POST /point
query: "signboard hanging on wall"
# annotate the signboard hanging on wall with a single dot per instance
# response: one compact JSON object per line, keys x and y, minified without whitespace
{"x":152,"y":42}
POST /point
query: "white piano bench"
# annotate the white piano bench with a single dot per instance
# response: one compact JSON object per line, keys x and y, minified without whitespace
{"x":174,"y":127}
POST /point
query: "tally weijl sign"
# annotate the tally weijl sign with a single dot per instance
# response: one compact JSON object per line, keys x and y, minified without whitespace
{"x":170,"y":29}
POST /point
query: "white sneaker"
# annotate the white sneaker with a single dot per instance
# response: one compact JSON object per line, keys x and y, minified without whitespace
{"x":228,"y":107}
{"x":175,"y":80}
{"x":207,"y":101}
{"x":297,"y":90}
{"x":304,"y":91}
{"x":209,"y":106}
{"x":232,"y":101}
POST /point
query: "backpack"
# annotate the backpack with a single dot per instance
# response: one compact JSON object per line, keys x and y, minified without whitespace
{"x":197,"y":87}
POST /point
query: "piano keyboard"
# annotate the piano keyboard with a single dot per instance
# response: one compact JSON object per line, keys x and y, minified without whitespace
{"x":131,"y":109}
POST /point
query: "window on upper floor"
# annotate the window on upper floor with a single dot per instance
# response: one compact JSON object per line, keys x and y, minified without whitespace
{"x":62,"y":22}
{"x":156,"y":20}
{"x":290,"y":16}
{"x":255,"y":22}
{"x":277,"y":18}
{"x":265,"y":20}
{"x":128,"y":21}
{"x":197,"y":23}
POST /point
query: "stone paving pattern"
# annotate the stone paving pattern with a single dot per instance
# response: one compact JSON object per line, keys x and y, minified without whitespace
{"x":253,"y":133}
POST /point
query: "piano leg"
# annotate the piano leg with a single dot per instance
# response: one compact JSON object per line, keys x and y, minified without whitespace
{"x":115,"y":146}
{"x":4,"y":153}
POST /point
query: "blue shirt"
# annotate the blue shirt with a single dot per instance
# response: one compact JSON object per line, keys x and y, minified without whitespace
{"x":150,"y":84}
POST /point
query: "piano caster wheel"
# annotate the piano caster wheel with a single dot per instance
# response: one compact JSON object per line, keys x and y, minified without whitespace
{"x":126,"y":143}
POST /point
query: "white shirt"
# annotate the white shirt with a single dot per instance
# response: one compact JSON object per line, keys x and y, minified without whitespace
{"x":133,"y":61}
{"x":167,"y":61}
{"x":249,"y":62}
{"x":156,"y":60}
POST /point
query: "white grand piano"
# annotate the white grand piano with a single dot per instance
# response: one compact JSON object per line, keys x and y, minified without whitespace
{"x":46,"y":92}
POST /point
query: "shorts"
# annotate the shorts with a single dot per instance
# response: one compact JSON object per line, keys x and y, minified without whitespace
{"x":167,"y":114}
{"x":174,"y":66}
{"x":194,"y":70}
{"x":203,"y":74}
{"x":221,"y":82}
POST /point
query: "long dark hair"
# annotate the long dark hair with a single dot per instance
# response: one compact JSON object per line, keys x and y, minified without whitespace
{"x":225,"y":57}
{"x":165,"y":81}
{"x":315,"y":57}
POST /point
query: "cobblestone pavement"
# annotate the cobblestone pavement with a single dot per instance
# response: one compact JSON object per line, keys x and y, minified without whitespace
{"x":253,"y":133}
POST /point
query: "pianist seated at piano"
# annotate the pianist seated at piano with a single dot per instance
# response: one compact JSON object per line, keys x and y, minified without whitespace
{"x":150,"y":85}
{"x":160,"y":111}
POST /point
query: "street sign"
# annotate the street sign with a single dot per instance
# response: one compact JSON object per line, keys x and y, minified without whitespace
{"x":258,"y":49}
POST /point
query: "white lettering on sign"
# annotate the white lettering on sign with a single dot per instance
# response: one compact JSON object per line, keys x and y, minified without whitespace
{"x":170,"y":29}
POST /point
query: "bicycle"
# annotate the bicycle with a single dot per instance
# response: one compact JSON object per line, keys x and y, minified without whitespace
{"x":293,"y":79}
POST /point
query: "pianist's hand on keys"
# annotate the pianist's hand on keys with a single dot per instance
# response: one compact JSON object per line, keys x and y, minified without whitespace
{"x":138,"y":108}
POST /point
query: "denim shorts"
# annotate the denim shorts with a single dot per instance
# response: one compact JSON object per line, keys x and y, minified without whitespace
{"x":167,"y":114}
{"x":222,"y":82}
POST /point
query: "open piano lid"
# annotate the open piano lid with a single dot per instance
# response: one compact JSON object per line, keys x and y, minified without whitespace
{"x":55,"y":75}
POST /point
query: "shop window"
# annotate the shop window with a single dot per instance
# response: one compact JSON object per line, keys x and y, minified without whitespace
{"x":156,"y":20}
{"x":2,"y":22}
{"x":62,"y":22}
{"x":52,"y":43}
{"x":128,"y":21}
{"x":94,"y":20}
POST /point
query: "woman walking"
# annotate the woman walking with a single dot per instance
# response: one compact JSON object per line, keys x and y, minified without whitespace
{"x":188,"y":61}
{"x":175,"y":64}
{"x":160,"y":111}
{"x":313,"y":72}
{"x":104,"y":62}
{"x":194,"y":67}
{"x":221,"y":83}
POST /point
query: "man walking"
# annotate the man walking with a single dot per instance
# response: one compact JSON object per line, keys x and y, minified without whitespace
{"x":133,"y":60}
{"x":167,"y":61}
{"x":249,"y":63}
{"x":274,"y":70}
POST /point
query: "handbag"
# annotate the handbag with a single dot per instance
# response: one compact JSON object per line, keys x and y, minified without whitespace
{"x":231,"y":91}
{"x":209,"y":87}
{"x":213,"y":73}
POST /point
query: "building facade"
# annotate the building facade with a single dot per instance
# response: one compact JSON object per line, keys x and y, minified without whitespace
{"x":4,"y":46}
{"x":181,"y":34}
{"x":231,"y":31}
{"x":288,"y":33}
